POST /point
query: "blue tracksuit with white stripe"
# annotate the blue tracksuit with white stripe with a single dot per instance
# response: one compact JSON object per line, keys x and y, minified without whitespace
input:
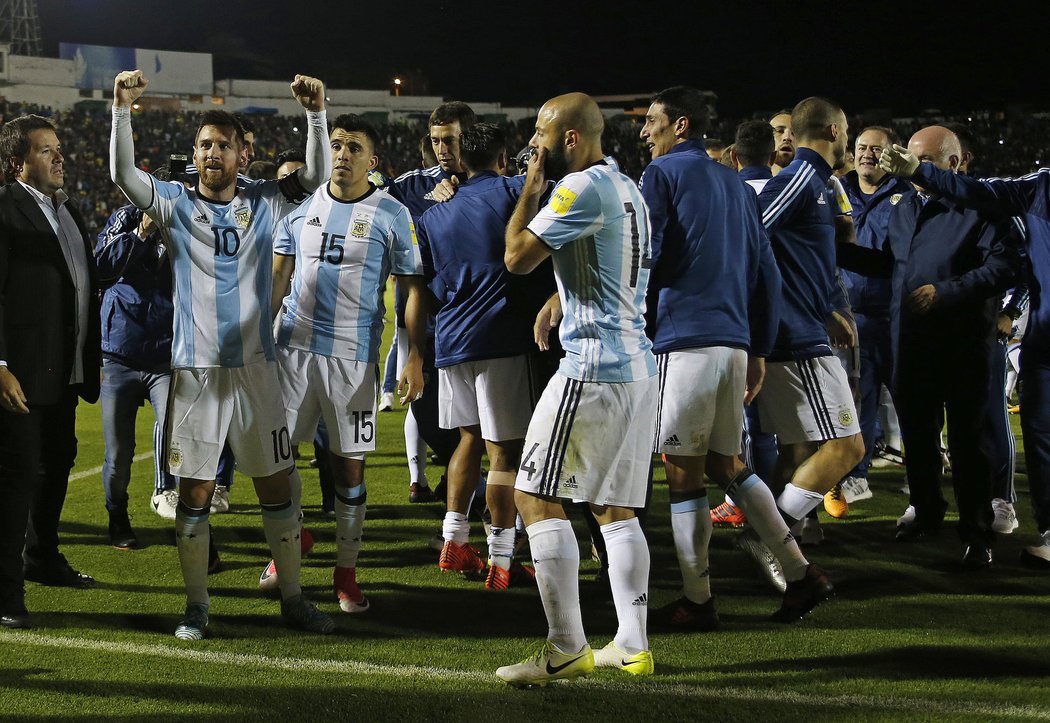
{"x":1029,"y":197}
{"x":800,"y":221}
{"x":714,"y":281}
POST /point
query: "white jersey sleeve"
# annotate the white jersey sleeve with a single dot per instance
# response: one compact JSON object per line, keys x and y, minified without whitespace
{"x":573,"y":211}
{"x":404,"y":246}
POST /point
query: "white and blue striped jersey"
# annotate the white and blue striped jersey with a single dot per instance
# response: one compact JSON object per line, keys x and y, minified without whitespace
{"x":222,"y":261}
{"x":344,"y":251}
{"x":597,"y":226}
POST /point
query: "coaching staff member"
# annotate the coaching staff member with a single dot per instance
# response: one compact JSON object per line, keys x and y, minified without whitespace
{"x":49,"y":355}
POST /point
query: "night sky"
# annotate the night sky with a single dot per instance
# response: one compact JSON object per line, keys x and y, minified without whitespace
{"x":757,"y":56}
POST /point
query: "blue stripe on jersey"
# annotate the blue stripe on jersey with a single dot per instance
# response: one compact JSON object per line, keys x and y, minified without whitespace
{"x":326,"y":285}
{"x":228,"y":305}
{"x":376,"y":267}
{"x":182,"y":269}
{"x":264,"y":283}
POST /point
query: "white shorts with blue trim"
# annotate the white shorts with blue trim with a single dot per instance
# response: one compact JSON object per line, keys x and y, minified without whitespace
{"x":808,"y":400}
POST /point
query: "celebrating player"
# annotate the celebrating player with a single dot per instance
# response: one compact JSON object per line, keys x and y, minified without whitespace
{"x":342,"y":243}
{"x":224,"y":385}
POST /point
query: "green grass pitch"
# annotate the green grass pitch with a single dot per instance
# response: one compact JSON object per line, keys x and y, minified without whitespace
{"x":907,"y":637}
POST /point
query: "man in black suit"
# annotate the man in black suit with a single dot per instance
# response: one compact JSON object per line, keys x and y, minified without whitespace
{"x":49,"y":355}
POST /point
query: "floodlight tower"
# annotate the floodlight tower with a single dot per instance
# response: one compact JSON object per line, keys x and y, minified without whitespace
{"x":20,"y":26}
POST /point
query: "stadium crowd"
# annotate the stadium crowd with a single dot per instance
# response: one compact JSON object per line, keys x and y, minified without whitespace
{"x":1005,"y":145}
{"x":752,"y":306}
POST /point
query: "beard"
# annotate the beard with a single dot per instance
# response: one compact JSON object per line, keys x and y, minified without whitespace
{"x":217,"y":181}
{"x":555,"y":165}
{"x":783,"y":158}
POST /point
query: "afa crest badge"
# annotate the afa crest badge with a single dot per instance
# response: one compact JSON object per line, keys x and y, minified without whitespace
{"x":896,"y":198}
{"x":243,"y":217}
{"x":359,"y":229}
{"x":845,"y":418}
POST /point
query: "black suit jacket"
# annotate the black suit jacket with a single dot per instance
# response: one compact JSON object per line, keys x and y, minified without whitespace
{"x":38,"y":302}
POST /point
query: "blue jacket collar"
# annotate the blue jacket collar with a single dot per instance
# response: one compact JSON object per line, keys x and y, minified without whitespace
{"x":690,"y":144}
{"x":755,"y":173}
{"x":814,"y":159}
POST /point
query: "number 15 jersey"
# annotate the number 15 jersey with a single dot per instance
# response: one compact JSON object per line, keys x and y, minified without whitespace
{"x":222,"y":261}
{"x":344,"y":251}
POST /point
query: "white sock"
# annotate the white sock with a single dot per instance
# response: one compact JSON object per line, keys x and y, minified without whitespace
{"x":191,"y":538}
{"x":761,"y":510}
{"x":455,"y":528}
{"x":295,"y":482}
{"x":281,"y":527}
{"x":501,"y":546}
{"x":556,"y":556}
{"x":795,"y":503}
{"x":629,"y":579}
{"x":691,"y":526}
{"x":417,"y":451}
{"x":350,"y":509}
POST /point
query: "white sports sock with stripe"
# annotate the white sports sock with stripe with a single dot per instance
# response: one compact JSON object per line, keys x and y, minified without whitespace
{"x":629,"y":579}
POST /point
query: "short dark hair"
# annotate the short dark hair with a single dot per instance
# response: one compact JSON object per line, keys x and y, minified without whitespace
{"x":450,"y":112}
{"x":290,"y":155}
{"x":14,"y":140}
{"x":353,"y":123}
{"x":266,"y":170}
{"x":481,"y":145}
{"x":220,"y":119}
{"x":245,"y":122}
{"x":714,"y":144}
{"x":812,"y":115}
{"x":426,"y":152}
{"x":753,"y":143}
{"x":888,"y":132}
{"x":689,"y":103}
{"x":967,"y":139}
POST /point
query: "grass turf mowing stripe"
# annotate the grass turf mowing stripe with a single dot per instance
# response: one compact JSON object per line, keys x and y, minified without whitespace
{"x":97,"y":470}
{"x":911,"y":706}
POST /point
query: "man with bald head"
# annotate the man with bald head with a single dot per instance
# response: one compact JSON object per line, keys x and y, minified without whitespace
{"x":591,"y":436}
{"x":947,"y":266}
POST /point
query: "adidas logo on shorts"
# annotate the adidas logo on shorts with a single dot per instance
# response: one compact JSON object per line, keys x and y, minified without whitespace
{"x":642,"y":599}
{"x":315,"y":221}
{"x":673,"y":441}
{"x":570,"y":484}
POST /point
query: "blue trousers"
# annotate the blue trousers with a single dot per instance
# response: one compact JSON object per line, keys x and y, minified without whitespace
{"x":123,"y":391}
{"x":1035,"y":425}
{"x":876,"y":369}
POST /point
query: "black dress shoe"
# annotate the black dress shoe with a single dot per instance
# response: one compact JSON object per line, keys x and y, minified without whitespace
{"x":121,"y":536}
{"x":16,"y":620}
{"x":58,"y":574}
{"x":916,"y":530}
{"x":977,"y":556}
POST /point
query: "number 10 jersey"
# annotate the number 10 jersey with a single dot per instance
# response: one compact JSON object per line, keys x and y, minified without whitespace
{"x":344,"y":251}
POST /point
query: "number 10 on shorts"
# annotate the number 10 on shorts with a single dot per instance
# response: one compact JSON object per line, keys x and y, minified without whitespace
{"x":282,"y":444}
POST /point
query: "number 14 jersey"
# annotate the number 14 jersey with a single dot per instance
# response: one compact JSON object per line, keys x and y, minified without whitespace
{"x":344,"y":251}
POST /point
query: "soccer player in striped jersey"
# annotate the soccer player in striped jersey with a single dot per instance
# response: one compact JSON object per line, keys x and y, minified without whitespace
{"x":342,"y":243}
{"x":591,"y":435}
{"x":806,"y":400}
{"x":224,"y":385}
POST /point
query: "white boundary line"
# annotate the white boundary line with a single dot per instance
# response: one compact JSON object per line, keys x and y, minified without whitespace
{"x":633,"y":686}
{"x":95,"y":470}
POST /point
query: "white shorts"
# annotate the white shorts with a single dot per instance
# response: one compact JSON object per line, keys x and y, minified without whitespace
{"x":241,"y":405}
{"x":807,"y":401}
{"x":591,"y":441}
{"x":341,"y":391}
{"x":701,"y":401}
{"x":493,"y":393}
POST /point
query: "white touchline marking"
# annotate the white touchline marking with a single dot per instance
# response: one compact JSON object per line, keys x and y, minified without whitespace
{"x":95,"y":470}
{"x":633,"y":686}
